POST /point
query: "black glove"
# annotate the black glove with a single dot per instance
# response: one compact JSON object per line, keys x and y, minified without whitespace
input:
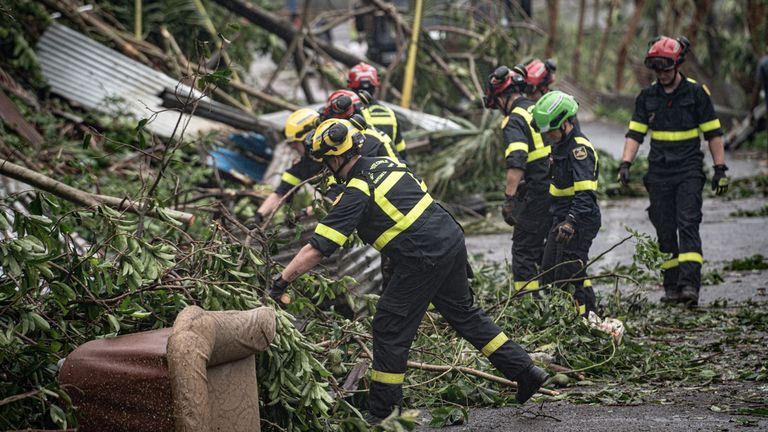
{"x":565,"y":231}
{"x":508,"y":210}
{"x":255,"y":221}
{"x":277,"y":291}
{"x":720,"y":180}
{"x":624,"y":173}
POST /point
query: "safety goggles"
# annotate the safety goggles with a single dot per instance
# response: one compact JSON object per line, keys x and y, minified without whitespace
{"x":659,"y":63}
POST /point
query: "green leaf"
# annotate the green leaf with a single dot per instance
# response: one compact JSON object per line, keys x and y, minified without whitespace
{"x":86,"y":141}
{"x":114,"y":322}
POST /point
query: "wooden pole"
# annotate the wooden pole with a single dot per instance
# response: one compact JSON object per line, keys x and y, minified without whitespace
{"x":410,"y":67}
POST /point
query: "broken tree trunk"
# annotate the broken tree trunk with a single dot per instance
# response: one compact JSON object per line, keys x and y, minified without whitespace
{"x":284,"y":30}
{"x":83,"y":198}
{"x":579,"y":38}
{"x":626,"y":42}
{"x":552,"y":12}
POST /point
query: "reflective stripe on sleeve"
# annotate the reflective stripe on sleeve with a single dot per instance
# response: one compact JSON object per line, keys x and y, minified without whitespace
{"x":290,"y":179}
{"x":516,"y":146}
{"x":359,"y":185}
{"x":638,"y":127}
{"x":331,"y":234}
{"x":494,"y":344}
{"x":710,"y":125}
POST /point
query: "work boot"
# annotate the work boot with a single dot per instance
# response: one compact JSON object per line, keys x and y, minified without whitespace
{"x":373,"y":420}
{"x":529,"y":381}
{"x":671,"y":296}
{"x":689,"y":296}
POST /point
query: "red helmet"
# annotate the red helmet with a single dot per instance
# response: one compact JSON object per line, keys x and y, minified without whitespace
{"x":363,"y":76}
{"x":342,"y":104}
{"x":503,"y":80}
{"x":664,"y":53}
{"x":540,"y":74}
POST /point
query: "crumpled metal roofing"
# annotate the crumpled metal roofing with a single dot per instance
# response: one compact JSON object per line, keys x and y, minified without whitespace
{"x":100,"y":78}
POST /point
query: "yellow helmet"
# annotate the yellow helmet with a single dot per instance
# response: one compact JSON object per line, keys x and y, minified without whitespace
{"x":336,"y":137}
{"x":300,"y":123}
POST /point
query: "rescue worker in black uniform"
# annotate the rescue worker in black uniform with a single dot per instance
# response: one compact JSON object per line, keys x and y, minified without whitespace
{"x":391,"y":210}
{"x":576,"y":214}
{"x":299,"y":125}
{"x":363,"y":80}
{"x":676,"y":109}
{"x":526,"y":206}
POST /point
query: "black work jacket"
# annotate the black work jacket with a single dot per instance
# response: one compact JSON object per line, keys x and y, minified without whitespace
{"x":392,"y":211}
{"x":376,"y":144}
{"x":675,"y":121}
{"x":524,"y":147}
{"x":383,"y":118}
{"x":575,"y":170}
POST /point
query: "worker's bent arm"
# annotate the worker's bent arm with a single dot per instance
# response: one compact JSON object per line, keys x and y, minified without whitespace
{"x":717,"y":148}
{"x":307,"y":258}
{"x":270,"y":204}
{"x":514,"y":176}
{"x":630,"y":150}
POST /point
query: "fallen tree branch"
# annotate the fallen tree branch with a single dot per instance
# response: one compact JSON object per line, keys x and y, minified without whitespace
{"x":469,"y":371}
{"x":83,"y":198}
{"x":283,"y":29}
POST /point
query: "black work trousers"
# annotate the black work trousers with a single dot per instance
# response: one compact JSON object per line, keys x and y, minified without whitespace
{"x":565,"y":262}
{"x":529,"y":238}
{"x":401,"y":309}
{"x":675,"y":212}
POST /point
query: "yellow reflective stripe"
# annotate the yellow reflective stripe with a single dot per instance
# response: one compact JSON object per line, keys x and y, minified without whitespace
{"x":494,"y":344}
{"x":554,"y":191}
{"x":539,"y":153}
{"x":538,"y":142}
{"x":331,"y":234}
{"x":585,"y":185}
{"x":676,"y":135}
{"x":582,"y":309}
{"x":387,"y":377}
{"x":691,"y":80}
{"x":516,"y":146}
{"x":504,"y":122}
{"x":360,"y":185}
{"x":587,"y":283}
{"x":400,"y":146}
{"x":403,"y":223}
{"x":638,"y":127}
{"x":527,"y":285}
{"x":290,"y":179}
{"x":710,"y":125}
{"x":379,"y":195}
{"x":691,"y":257}
{"x":668,"y":264}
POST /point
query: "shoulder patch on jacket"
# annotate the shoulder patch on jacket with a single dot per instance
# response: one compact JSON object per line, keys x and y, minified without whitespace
{"x":580,"y":153}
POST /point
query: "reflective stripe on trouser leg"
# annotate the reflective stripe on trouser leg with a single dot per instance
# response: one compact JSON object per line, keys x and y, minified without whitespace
{"x":454,"y":302}
{"x":662,"y":213}
{"x":528,"y":244}
{"x":689,"y":217}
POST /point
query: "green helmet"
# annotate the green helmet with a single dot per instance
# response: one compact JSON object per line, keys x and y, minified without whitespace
{"x":553,"y":109}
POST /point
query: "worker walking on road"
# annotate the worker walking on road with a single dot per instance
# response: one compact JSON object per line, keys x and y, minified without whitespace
{"x":364,"y":79}
{"x":391,"y":210}
{"x":576,"y":214}
{"x":526,"y":204}
{"x":676,"y":109}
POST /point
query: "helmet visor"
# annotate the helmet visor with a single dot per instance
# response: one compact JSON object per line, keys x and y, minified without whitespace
{"x":659,"y":63}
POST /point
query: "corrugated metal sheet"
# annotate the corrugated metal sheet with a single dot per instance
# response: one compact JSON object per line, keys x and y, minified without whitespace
{"x":100,"y":78}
